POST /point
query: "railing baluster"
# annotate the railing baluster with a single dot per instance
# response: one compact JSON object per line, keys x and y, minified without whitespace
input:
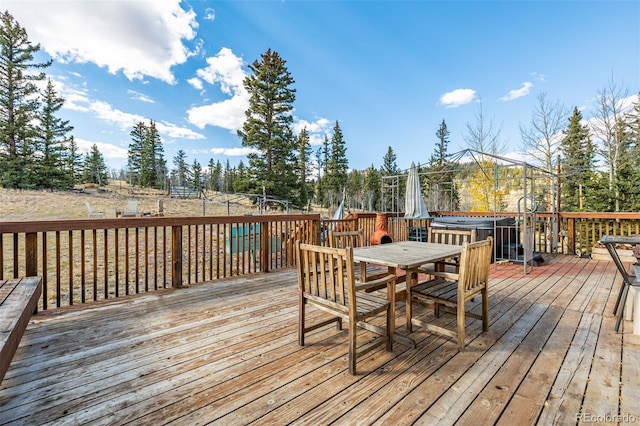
{"x":83,"y":259}
{"x":58,"y":272}
{"x":126,"y":262}
{"x":95,"y":264}
{"x":45,"y":291}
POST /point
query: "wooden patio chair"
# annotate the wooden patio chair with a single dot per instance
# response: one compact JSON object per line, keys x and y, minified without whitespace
{"x":131,"y":210}
{"x":449,"y":236}
{"x":450,"y":291}
{"x":326,"y":280}
{"x":92,"y":211}
{"x":343,"y":239}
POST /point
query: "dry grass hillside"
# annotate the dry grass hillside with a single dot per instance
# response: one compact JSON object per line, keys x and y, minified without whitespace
{"x":49,"y":205}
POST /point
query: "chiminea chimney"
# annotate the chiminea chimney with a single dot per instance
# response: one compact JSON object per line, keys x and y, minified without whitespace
{"x":381,"y":235}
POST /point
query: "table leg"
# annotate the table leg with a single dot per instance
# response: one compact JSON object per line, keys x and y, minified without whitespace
{"x":363,"y":272}
{"x":391,"y":297}
{"x":623,"y":299}
{"x":626,"y":281}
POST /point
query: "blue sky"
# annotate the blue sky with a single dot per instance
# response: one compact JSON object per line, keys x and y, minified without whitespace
{"x":388,"y":71}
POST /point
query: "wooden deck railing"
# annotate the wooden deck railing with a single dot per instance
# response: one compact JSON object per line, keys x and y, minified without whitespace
{"x":93,"y":259}
{"x":578,"y":232}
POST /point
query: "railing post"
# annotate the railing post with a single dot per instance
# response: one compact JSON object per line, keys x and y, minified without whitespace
{"x":176,"y":256}
{"x":31,"y":254}
{"x":265,"y":247}
{"x":315,"y":232}
{"x":571,"y":235}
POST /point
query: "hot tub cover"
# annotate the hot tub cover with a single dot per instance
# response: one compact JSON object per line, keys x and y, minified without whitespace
{"x":472,"y":222}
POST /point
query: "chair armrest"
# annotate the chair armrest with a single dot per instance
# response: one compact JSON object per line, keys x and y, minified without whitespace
{"x":442,"y":274}
{"x":377,"y":283}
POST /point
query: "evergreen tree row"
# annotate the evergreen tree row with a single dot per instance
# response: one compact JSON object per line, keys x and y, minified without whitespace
{"x":36,"y":148}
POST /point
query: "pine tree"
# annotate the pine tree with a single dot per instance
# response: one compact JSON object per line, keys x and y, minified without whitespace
{"x":181,"y":169}
{"x":213,"y":178}
{"x":627,"y":172}
{"x":52,"y":143}
{"x":267,"y":127}
{"x":439,"y":180}
{"x":134,"y":154}
{"x":196,"y":177}
{"x":239,"y":178}
{"x":356,"y":194}
{"x":389,"y":168}
{"x":227,"y":181}
{"x":304,"y":167}
{"x":389,"y":165}
{"x":577,"y":167}
{"x":155,"y":166}
{"x":372,"y":185}
{"x":73,"y":162}
{"x":146,"y":163}
{"x":95,"y":170}
{"x":440,"y":157}
{"x":19,"y":104}
{"x":338,"y":165}
{"x":218,"y":176}
{"x":322,"y":158}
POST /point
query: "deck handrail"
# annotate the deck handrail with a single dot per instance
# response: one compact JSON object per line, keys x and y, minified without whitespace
{"x":115,"y":257}
{"x":84,"y":260}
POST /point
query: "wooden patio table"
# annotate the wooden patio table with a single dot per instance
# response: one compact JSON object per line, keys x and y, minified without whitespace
{"x":610,"y":242}
{"x":407,"y":256}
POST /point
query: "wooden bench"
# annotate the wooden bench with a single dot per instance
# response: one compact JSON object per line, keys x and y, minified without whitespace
{"x":18,"y":300}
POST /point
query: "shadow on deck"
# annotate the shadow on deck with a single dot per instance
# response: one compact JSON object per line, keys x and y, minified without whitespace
{"x":226,"y":352}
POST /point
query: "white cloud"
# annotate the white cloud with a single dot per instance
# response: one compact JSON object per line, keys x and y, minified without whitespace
{"x":228,"y":114}
{"x":126,"y":121}
{"x":538,"y":76}
{"x":458,"y":97}
{"x":78,"y":100}
{"x":226,"y":70}
{"x":107,"y":113}
{"x":140,"y":38}
{"x":108,"y":151}
{"x":518,"y":93}
{"x":196,"y":83}
{"x":75,"y":99}
{"x":174,"y":131}
{"x":317,"y":129}
{"x":140,"y":97}
{"x":318,"y":126}
{"x":209,"y":14}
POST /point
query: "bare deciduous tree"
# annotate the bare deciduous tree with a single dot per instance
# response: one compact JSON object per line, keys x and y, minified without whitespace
{"x":608,"y":128}
{"x":484,"y":135}
{"x":541,"y":138}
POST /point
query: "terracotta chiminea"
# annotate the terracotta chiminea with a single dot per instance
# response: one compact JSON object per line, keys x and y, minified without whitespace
{"x":381,"y":235}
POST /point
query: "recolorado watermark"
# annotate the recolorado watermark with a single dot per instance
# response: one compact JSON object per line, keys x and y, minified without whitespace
{"x":606,"y":418}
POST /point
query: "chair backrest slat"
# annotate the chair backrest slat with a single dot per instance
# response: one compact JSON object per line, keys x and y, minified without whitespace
{"x":451,"y":236}
{"x":342,"y":239}
{"x":327,"y":273}
{"x":475,"y":262}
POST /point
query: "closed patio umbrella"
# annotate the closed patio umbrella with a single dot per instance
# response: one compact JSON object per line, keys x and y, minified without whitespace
{"x":414,"y":206}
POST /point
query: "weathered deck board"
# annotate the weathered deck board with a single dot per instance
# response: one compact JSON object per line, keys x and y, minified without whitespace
{"x":227,"y":353}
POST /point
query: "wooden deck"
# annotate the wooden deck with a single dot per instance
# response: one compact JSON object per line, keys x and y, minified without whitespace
{"x":227,"y":353}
